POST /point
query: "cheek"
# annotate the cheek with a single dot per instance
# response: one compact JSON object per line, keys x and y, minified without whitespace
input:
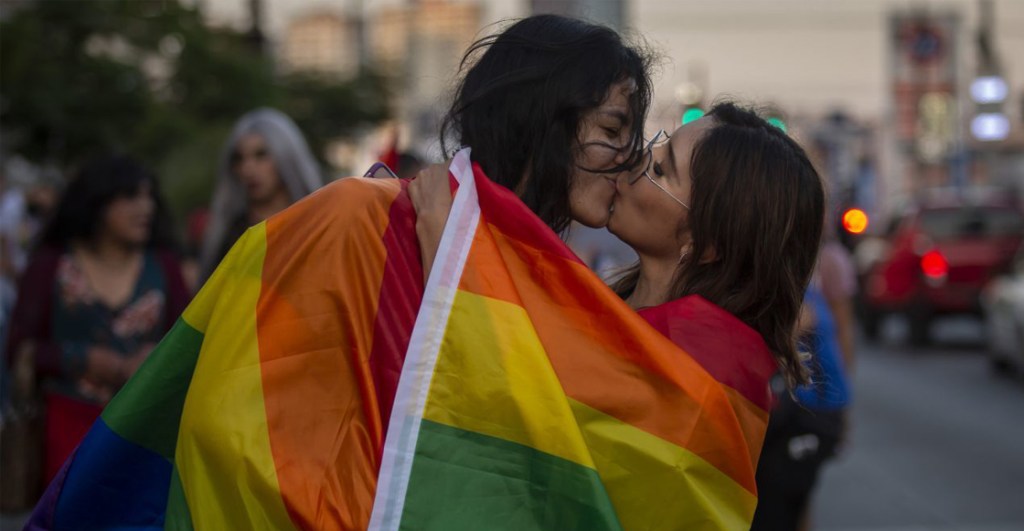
{"x":119,"y":218}
{"x":268,"y":174}
{"x":590,"y":201}
{"x":647,"y":222}
{"x":592,"y":194}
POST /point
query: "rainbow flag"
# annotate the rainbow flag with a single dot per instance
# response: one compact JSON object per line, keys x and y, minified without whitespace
{"x":315,"y":383}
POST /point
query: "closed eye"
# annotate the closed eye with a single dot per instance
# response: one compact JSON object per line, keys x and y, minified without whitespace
{"x":657,"y":169}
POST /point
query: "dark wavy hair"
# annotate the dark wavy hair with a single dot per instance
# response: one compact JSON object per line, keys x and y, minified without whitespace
{"x":758,"y":208}
{"x":97,"y":184}
{"x":520,"y":105}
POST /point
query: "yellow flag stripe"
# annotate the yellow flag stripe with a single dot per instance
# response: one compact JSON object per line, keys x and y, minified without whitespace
{"x":641,"y":471}
{"x":228,"y":476}
{"x":507,"y":388}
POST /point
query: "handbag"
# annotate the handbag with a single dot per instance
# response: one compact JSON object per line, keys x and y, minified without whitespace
{"x":22,"y":423}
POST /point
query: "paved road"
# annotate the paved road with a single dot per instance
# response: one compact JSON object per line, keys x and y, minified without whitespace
{"x":937,"y":442}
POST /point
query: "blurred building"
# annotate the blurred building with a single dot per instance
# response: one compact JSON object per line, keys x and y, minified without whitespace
{"x":323,"y":41}
{"x":608,"y":12}
{"x":397,"y":34}
{"x":898,"y":71}
{"x":875,"y":62}
{"x":925,"y":115}
{"x":419,"y":45}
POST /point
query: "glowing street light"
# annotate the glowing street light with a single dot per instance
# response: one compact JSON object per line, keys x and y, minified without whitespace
{"x":855,"y":221}
{"x":989,"y":89}
{"x":990,"y":126}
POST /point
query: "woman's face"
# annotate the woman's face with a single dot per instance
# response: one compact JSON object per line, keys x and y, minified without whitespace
{"x":129,"y":219}
{"x":651,"y":208}
{"x":253,"y":166}
{"x":604,"y":135}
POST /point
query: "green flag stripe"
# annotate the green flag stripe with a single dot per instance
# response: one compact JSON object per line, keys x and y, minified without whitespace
{"x":147,"y":411}
{"x":178,"y":517}
{"x":499,"y":485}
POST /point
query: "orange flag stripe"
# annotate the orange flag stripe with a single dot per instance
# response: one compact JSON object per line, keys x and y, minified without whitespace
{"x":590,"y":364}
{"x":324,"y":254}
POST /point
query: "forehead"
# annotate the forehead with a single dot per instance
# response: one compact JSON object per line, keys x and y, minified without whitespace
{"x":684,"y":138}
{"x":250,"y":140}
{"x":616,"y":102}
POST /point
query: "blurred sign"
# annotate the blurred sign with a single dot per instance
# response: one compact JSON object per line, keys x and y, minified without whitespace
{"x":924,"y":63}
{"x":934,"y":139}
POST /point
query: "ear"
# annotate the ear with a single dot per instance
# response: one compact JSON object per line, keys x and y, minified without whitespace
{"x":684,"y":251}
{"x":710,"y":255}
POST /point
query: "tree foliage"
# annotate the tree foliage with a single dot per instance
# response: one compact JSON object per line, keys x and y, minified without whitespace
{"x":150,"y":78}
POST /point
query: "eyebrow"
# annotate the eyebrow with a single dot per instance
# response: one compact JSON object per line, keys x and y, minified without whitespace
{"x":622,"y":117}
{"x":672,"y":156}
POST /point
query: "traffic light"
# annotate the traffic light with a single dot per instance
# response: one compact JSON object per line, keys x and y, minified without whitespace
{"x":989,"y":122}
{"x":692,"y":114}
{"x":777,"y":122}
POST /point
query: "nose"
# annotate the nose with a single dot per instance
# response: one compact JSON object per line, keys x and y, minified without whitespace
{"x":623,"y":179}
{"x":244,"y":167}
{"x":621,"y":156}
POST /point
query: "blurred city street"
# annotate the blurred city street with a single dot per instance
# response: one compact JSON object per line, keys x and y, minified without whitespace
{"x":936,"y":439}
{"x":141,"y":139}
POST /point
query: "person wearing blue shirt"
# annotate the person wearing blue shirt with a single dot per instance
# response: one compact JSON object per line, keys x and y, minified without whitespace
{"x":806,"y":427}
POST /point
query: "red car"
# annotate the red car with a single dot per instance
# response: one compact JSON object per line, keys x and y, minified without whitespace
{"x":940,"y":256}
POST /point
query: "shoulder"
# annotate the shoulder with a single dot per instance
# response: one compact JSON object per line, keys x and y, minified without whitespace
{"x":344,"y":201}
{"x":167,"y":258}
{"x":46,"y":257}
{"x":698,"y":325}
{"x":41,"y":272}
{"x":356,"y":189}
{"x":731,"y":351}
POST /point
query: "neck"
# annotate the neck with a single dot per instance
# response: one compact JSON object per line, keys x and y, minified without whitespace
{"x":654,"y":283}
{"x":109,"y":250}
{"x":272,"y":205}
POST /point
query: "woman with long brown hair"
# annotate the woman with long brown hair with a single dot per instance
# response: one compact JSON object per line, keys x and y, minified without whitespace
{"x":730,"y":209}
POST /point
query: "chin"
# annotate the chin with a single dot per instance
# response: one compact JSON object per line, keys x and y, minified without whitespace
{"x":612,"y":229}
{"x":594,"y":223}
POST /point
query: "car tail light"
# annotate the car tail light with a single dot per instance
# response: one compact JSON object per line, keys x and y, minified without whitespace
{"x":934,"y":265}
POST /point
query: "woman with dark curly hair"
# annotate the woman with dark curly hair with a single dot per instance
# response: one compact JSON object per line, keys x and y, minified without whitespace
{"x":101,"y":290}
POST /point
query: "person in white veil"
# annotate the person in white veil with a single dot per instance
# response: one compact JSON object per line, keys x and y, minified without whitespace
{"x":265,"y":166}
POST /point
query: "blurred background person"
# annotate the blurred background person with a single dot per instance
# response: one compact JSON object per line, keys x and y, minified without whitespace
{"x":807,"y":426}
{"x":27,"y":197}
{"x":265,"y":166}
{"x":404,"y":164}
{"x":837,"y":279}
{"x":101,"y":290}
{"x":12,"y":256}
{"x":408,"y":165}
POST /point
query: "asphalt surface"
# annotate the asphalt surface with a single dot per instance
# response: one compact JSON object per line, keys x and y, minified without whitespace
{"x":937,"y":439}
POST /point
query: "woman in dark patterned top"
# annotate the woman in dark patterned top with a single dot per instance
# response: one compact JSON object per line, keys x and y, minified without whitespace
{"x":99,"y":293}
